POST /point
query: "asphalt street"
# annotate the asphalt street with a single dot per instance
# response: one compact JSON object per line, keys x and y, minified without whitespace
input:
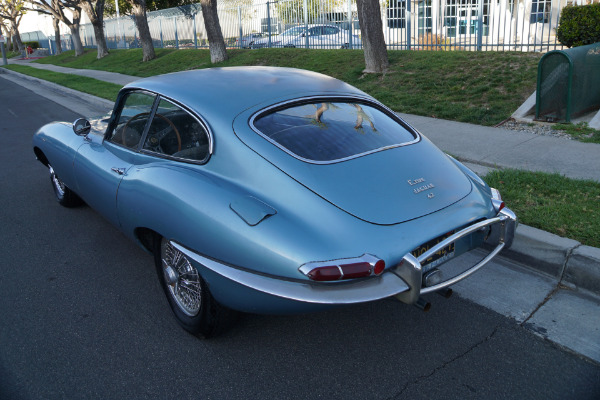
{"x":83,"y":316}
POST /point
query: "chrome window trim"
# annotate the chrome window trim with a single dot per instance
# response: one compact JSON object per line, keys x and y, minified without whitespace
{"x":187,"y":109}
{"x":198,"y":118}
{"x":361,"y":99}
{"x":115,"y":117}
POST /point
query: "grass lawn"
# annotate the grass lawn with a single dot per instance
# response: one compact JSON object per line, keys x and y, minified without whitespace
{"x":580,"y":131}
{"x":98,"y":88}
{"x":482,"y":88}
{"x":566,"y":207}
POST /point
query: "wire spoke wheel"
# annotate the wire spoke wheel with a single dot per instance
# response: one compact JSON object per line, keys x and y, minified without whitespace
{"x":189,"y":296}
{"x":59,"y":186}
{"x":182,"y":279}
{"x":65,"y":196}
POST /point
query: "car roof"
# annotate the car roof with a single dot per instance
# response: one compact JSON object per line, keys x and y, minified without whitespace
{"x":312,"y":26}
{"x":226,"y":92}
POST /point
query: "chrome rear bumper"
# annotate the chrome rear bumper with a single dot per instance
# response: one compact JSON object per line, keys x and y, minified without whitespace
{"x":502,"y":232}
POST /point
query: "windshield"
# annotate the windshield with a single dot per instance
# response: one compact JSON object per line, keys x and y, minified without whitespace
{"x":327,"y":131}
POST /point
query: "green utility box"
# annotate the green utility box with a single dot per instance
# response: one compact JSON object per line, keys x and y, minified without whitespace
{"x":568,"y":83}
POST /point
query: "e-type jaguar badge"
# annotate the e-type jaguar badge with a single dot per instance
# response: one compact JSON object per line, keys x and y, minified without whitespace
{"x":423,"y":186}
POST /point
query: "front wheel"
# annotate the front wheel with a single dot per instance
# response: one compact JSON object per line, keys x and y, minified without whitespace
{"x":65,"y":196}
{"x":189,"y":297}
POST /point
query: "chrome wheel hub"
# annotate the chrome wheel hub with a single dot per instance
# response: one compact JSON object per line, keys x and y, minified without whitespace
{"x":182,"y":279}
{"x":171,"y":276}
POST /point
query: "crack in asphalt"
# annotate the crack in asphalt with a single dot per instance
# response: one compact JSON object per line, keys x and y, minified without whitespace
{"x":445,"y":364}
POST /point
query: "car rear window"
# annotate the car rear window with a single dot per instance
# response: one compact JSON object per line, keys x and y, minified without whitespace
{"x":327,"y":131}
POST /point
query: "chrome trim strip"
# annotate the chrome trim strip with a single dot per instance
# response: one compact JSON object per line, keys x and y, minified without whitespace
{"x":349,"y":292}
{"x":367,"y":100}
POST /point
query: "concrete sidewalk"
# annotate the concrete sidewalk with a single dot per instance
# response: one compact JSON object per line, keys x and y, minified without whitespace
{"x":569,"y":271}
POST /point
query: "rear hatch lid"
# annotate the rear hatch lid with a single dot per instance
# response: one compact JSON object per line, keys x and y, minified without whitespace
{"x":356,"y":155}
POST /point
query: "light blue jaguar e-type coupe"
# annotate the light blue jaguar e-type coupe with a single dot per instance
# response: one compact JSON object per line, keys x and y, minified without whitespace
{"x":274,"y":190}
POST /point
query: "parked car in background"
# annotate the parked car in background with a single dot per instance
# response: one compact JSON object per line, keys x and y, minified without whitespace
{"x":248,"y":40}
{"x":317,"y":37}
{"x":274,"y":190}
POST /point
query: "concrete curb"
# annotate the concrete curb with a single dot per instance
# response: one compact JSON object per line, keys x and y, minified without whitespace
{"x":566,"y":260}
{"x":93,"y":101}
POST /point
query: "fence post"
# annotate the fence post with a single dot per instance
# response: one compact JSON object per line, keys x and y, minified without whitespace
{"x":480,"y":25}
{"x":350,"y":45}
{"x":269,"y":22}
{"x":408,"y":23}
{"x":176,"y":36}
{"x":240,"y":24}
{"x":305,"y":6}
{"x":195,"y":32}
{"x":161,"y":36}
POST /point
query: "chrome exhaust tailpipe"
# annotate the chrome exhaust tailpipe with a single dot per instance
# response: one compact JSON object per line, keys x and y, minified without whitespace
{"x":445,"y":292}
{"x":423,"y":304}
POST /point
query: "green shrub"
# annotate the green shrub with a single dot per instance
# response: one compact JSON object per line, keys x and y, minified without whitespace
{"x":579,"y":25}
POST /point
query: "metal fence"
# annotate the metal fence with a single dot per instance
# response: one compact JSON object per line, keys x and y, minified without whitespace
{"x":517,"y":25}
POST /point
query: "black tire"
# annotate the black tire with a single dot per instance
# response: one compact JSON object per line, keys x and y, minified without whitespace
{"x":191,"y":301}
{"x":65,"y":196}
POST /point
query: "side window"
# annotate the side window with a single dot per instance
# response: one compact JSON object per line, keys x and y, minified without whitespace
{"x":132,"y":119}
{"x":316,"y":31}
{"x":175,"y":132}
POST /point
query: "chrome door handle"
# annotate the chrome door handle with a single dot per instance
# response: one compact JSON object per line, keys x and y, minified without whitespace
{"x":120,"y":171}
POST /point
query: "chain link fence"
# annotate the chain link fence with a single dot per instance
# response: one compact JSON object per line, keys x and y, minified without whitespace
{"x":476,"y":25}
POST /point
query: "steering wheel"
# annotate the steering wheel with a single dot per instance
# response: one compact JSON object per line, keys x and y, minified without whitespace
{"x":154,"y":138}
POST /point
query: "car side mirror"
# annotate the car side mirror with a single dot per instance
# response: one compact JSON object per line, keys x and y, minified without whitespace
{"x":81,"y":127}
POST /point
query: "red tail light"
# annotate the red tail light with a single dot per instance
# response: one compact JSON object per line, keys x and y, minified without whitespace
{"x":347,"y":268}
{"x":326,"y":273}
{"x":379,"y":267}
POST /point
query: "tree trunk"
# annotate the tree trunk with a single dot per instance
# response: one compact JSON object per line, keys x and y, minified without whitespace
{"x":16,"y":37}
{"x":56,"y":25}
{"x":77,"y":44}
{"x":216,"y":44}
{"x":9,"y":42}
{"x":96,"y":15}
{"x":141,"y":22}
{"x":74,"y":27}
{"x":371,"y":27}
{"x":100,"y":39}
